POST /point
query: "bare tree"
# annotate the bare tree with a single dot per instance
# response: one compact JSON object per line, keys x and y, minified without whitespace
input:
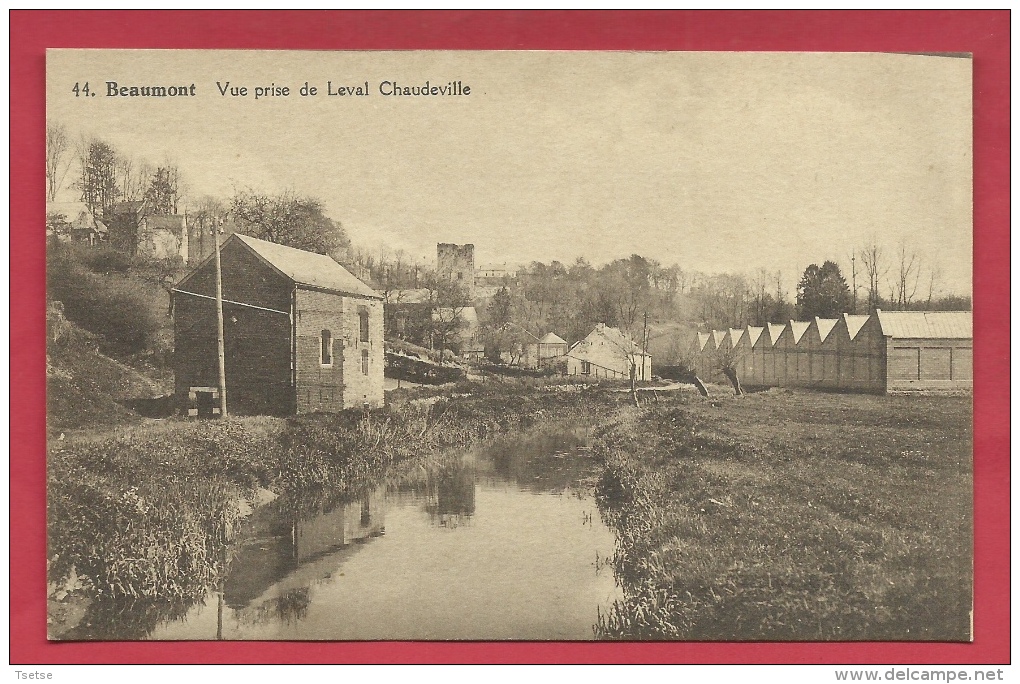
{"x":875,"y":270}
{"x":908,"y":276}
{"x":133,"y":177}
{"x":58,"y":161}
{"x":934,"y":281}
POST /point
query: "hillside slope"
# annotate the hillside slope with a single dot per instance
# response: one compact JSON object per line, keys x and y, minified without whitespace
{"x":83,"y":386}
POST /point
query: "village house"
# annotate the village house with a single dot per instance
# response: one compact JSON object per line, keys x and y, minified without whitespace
{"x":134,"y":229}
{"x":74,"y":222}
{"x":608,"y":353}
{"x":542,"y":353}
{"x":301,"y":333}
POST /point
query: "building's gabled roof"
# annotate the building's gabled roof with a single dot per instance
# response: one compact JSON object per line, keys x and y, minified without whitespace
{"x":954,"y":325}
{"x":174,"y":224}
{"x":854,"y":324}
{"x":76,"y":214}
{"x":131,"y":207}
{"x":774,"y":330}
{"x":552,"y":338}
{"x":797,"y":329}
{"x":717,"y":338}
{"x":308,"y":268}
{"x":615,"y":338}
{"x":825,"y":326}
{"x":300,"y":267}
{"x":753,"y":334}
{"x":735,"y":335}
{"x":702,"y":340}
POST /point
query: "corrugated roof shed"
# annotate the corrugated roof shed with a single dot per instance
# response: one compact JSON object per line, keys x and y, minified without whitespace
{"x":931,"y":325}
{"x":825,"y":326}
{"x":308,"y":268}
{"x":854,"y":324}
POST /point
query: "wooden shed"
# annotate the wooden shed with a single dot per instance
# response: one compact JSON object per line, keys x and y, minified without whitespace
{"x":301,"y":333}
{"x":925,"y":349}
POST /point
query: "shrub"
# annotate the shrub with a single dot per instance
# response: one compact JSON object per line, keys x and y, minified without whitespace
{"x":107,"y":260}
{"x":115,"y":309}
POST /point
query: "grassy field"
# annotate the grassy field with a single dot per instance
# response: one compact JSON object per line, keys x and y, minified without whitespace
{"x":791,"y":515}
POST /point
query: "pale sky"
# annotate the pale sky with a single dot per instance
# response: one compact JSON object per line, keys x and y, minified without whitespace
{"x":721,"y":162}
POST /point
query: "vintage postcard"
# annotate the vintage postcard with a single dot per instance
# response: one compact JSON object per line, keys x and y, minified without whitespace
{"x":509,"y":346}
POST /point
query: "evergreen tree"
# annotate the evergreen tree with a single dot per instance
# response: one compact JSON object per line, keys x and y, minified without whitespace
{"x":822,"y":292}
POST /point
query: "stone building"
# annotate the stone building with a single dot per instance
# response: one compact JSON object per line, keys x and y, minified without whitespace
{"x":301,"y":333}
{"x":457,"y":264}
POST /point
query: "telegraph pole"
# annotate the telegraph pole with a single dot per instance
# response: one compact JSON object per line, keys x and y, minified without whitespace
{"x":219,"y":321}
{"x":644,"y":347}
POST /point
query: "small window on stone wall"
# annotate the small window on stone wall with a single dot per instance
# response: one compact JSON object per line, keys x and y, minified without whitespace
{"x":326,"y":348}
{"x":363,"y":319}
{"x":364,"y":361}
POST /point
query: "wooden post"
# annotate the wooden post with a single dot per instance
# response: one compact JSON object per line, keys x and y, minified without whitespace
{"x":219,"y":323}
{"x":644,"y":347}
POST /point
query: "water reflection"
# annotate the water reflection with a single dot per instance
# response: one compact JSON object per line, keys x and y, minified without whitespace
{"x":495,"y":543}
{"x":450,"y":493}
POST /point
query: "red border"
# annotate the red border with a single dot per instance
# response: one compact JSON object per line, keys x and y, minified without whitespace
{"x":983,"y":33}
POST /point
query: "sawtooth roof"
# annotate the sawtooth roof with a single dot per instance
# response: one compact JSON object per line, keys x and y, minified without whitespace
{"x":825,"y":326}
{"x":754,"y":334}
{"x":798,"y":328}
{"x":774,"y":330}
{"x":854,"y":324}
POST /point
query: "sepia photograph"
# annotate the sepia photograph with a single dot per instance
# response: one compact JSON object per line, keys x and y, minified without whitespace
{"x":509,"y":346}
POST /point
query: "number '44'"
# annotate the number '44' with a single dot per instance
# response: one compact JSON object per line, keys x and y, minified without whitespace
{"x":81,"y":90}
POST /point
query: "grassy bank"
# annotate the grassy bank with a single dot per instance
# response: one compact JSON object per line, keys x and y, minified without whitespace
{"x":786,"y":515}
{"x":149,"y":511}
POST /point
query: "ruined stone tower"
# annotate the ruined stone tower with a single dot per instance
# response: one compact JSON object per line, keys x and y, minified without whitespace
{"x":457,"y":262}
